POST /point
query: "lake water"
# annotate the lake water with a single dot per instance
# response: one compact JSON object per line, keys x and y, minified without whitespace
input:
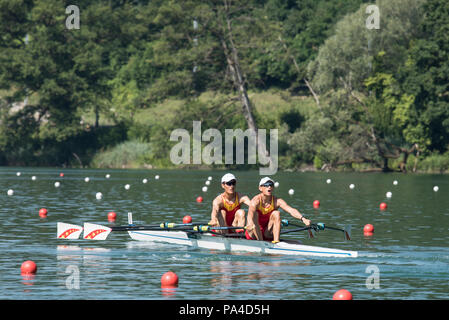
{"x":406,"y":258}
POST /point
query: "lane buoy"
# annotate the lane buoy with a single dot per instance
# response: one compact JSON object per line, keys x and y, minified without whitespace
{"x":28,"y":267}
{"x":112,"y":216}
{"x":204,"y":189}
{"x":10,"y":192}
{"x":199,"y":199}
{"x":276,"y":184}
{"x":57,"y":184}
{"x":99,"y":195}
{"x":316,"y":204}
{"x":86,"y":179}
{"x":368,"y":230}
{"x":435,"y":188}
{"x":187,"y":219}
{"x":144,"y":180}
{"x":383,"y":206}
{"x":291,"y":192}
{"x":342,"y":294}
{"x":395,"y":182}
{"x":43,"y":213}
{"x":388,"y":194}
{"x":351,"y":186}
{"x":328,"y":181}
{"x":61,"y":174}
{"x":169,"y":279}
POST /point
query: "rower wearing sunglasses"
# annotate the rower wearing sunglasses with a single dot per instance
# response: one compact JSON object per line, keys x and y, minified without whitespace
{"x":226,"y":208}
{"x":264,"y":218}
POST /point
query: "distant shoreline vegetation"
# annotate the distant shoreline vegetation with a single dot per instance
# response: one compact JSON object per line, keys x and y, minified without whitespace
{"x":346,"y":85}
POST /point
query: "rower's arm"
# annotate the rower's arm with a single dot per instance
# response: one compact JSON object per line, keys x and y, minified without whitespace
{"x":253,"y":220}
{"x":292,"y":211}
{"x":246,"y":200}
{"x":214,"y":219}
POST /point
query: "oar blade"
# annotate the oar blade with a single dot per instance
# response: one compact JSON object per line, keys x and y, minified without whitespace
{"x":312,"y":233}
{"x":347,"y":232}
{"x":95,"y":231}
{"x":68,"y":231}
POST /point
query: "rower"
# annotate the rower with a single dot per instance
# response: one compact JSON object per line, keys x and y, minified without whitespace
{"x":264,"y":218}
{"x":226,"y":208}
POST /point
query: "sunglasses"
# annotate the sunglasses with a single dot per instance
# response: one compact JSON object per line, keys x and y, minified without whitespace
{"x":231,"y":183}
{"x":268,"y":184}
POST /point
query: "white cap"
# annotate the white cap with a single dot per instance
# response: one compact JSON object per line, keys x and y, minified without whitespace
{"x":265,"y":180}
{"x":228,"y":177}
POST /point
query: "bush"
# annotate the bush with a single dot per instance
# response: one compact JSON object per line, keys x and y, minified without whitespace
{"x":126,"y":154}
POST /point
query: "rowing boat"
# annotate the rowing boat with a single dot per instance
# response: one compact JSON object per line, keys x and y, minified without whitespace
{"x":206,"y":237}
{"x":230,"y":244}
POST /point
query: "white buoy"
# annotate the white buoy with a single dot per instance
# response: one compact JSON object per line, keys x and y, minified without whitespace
{"x":389,"y":194}
{"x":99,"y":195}
{"x":156,"y":177}
{"x":127,"y":186}
{"x":395,"y":182}
{"x":276,"y":184}
{"x":351,"y":186}
{"x":291,"y":192}
{"x":18,"y":174}
{"x":57,"y":184}
{"x":107,"y":176}
{"x":207,"y":182}
{"x":33,"y":178}
{"x":204,"y":189}
{"x":10,"y":192}
{"x":209,"y":178}
{"x":144,"y":180}
{"x":86,"y":179}
{"x":435,"y":188}
{"x":328,"y":181}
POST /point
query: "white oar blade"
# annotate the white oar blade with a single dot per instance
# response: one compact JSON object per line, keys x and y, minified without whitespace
{"x":347,"y":232}
{"x":68,"y":231}
{"x":95,"y":231}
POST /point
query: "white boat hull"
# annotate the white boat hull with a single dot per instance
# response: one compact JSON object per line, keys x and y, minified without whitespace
{"x":207,"y":241}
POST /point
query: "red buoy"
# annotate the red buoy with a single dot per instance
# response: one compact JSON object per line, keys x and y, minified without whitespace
{"x":383,"y":206}
{"x":61,"y":174}
{"x":187,"y":219}
{"x":43,"y":213}
{"x":112,"y":216}
{"x":28,"y":267}
{"x":316,"y":204}
{"x":368,"y":228}
{"x":342,"y":294}
{"x":169,"y":279}
{"x":199,"y":199}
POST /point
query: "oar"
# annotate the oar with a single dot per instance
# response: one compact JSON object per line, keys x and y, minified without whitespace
{"x":317,"y":226}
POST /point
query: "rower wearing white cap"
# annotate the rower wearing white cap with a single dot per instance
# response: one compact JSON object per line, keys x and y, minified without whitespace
{"x":264,"y":218}
{"x":226,"y":208}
